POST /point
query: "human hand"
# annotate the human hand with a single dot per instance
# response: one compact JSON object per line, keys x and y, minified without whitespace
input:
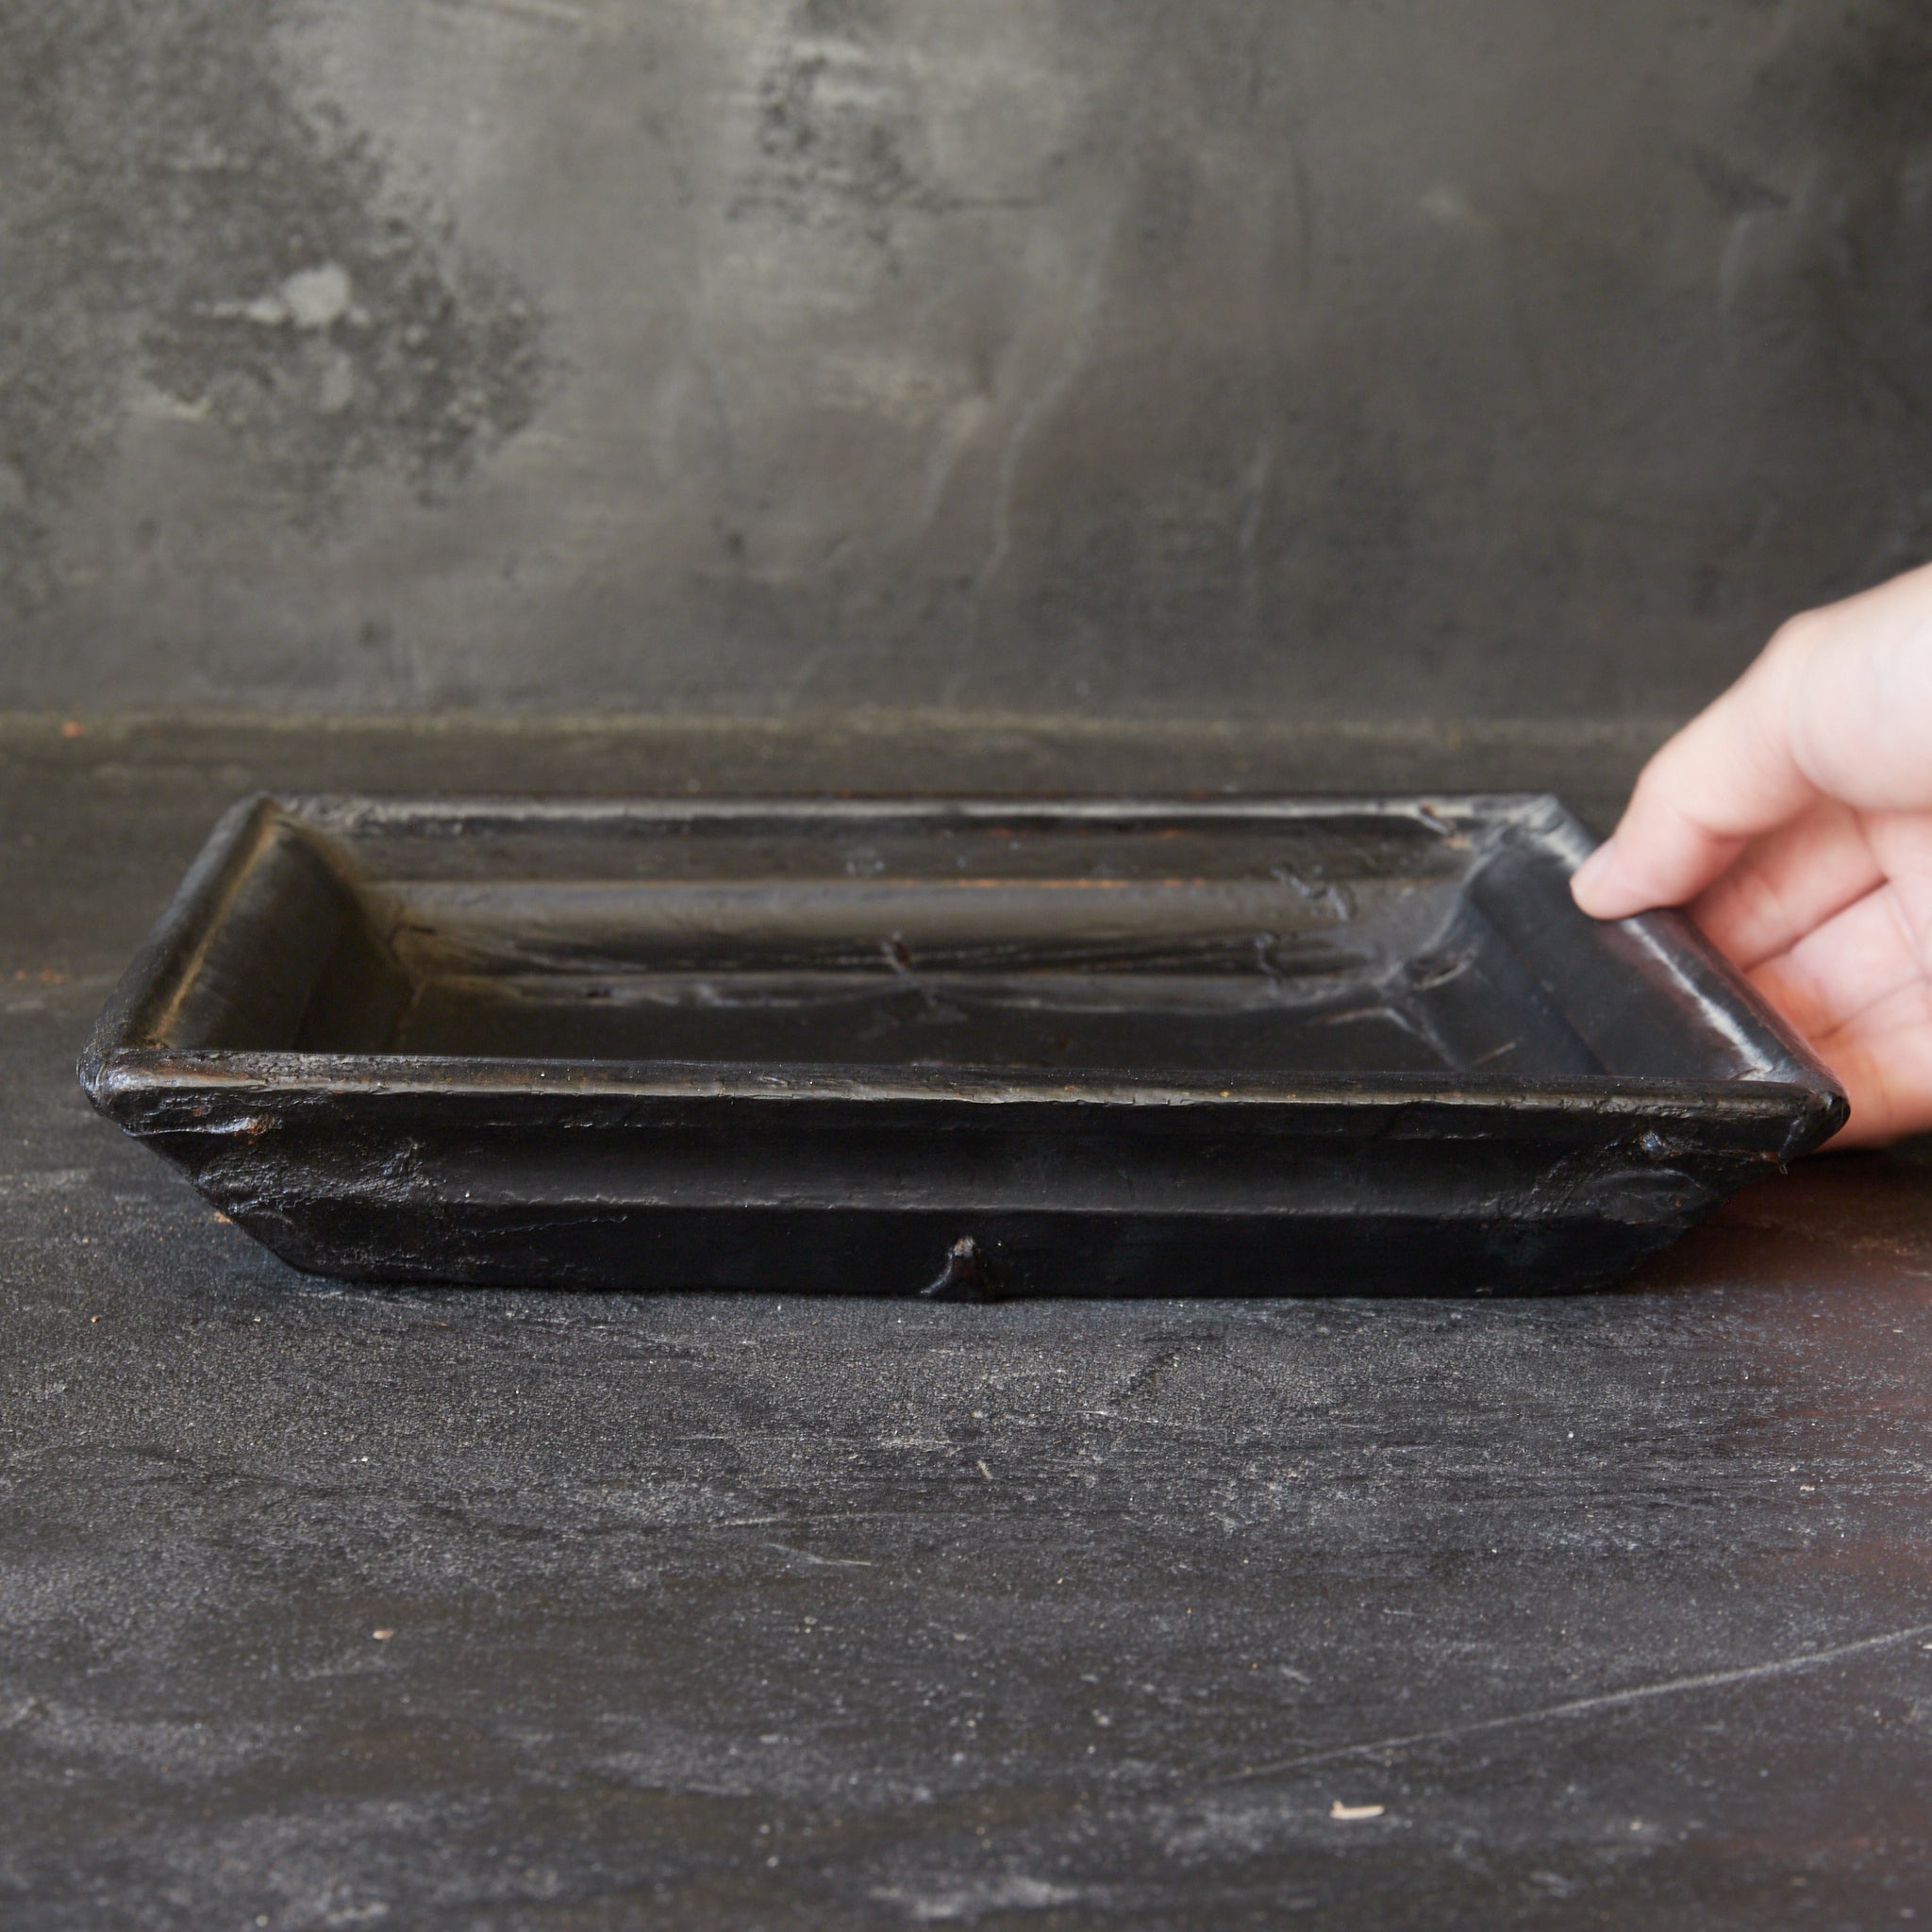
{"x":1793,"y":821}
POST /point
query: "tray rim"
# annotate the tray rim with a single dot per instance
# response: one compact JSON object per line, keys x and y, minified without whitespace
{"x":226,"y":1070}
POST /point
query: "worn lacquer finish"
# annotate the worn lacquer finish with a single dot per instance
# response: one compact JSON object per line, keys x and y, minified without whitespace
{"x":964,"y":1048}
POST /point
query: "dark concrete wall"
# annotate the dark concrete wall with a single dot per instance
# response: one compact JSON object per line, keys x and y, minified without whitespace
{"x":1240,"y":356}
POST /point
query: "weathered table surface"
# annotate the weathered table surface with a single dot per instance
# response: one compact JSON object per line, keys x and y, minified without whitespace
{"x":330,"y":1607}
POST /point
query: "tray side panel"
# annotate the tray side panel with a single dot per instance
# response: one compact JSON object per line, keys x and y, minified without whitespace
{"x":266,"y":944}
{"x":725,"y":1196}
{"x":1649,"y":996}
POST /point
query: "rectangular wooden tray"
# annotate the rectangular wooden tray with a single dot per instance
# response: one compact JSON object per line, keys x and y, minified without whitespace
{"x":959,"y":1047}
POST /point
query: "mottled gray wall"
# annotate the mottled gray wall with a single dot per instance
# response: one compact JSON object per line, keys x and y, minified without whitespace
{"x":1503,"y":356}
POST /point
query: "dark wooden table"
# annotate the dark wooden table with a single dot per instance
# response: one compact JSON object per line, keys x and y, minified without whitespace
{"x":329,"y":1606}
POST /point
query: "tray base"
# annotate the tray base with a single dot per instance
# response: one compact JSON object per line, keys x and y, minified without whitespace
{"x":973,"y":1257}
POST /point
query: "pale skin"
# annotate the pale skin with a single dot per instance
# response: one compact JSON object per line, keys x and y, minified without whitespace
{"x":1793,"y":821}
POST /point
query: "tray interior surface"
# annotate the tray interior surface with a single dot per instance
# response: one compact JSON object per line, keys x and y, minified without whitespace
{"x":1153,"y":954}
{"x":1338,"y":941}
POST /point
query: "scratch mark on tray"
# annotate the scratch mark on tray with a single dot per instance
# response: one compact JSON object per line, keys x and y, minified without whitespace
{"x":1587,"y":1707}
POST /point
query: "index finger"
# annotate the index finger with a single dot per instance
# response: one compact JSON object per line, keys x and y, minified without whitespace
{"x":1727,"y":776}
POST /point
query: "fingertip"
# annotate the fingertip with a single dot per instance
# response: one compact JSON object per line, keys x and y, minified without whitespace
{"x":1591,"y":870}
{"x":1599,"y":886}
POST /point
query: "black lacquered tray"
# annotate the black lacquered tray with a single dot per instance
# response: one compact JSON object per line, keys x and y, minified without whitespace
{"x":1348,"y":1046}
